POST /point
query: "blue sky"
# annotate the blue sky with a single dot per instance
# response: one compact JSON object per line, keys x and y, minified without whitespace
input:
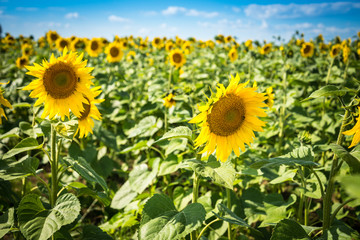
{"x":257,"y":20}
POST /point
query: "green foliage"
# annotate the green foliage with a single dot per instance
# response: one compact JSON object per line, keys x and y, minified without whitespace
{"x":289,"y":230}
{"x":25,"y":145}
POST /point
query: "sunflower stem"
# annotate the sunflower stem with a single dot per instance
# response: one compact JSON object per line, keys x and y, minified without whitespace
{"x":329,"y":71}
{"x":195,"y":195}
{"x":54,"y":167}
{"x":170,"y":76}
{"x":206,"y":227}
{"x":228,"y":197}
{"x":331,"y":182}
{"x":283,"y":112}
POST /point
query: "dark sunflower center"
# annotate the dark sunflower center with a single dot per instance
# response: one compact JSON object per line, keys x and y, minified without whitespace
{"x":86,"y":111}
{"x":266,"y":49}
{"x":307,"y":49}
{"x":227,"y":115}
{"x":23,"y":61}
{"x":157,"y":40}
{"x":53,"y":37}
{"x":27,"y":51}
{"x":124,"y":44}
{"x":177,"y":57}
{"x":94,"y":45}
{"x":60,"y":80}
{"x":335,"y":51}
{"x":63,"y":43}
{"x":114,"y":52}
{"x":233,"y":54}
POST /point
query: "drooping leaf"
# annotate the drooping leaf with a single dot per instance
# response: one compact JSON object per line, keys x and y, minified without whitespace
{"x":10,"y":170}
{"x":123,"y":196}
{"x":350,"y":158}
{"x":82,"y":189}
{"x":86,"y":171}
{"x":178,"y":132}
{"x":161,"y":220}
{"x":38,"y":223}
{"x":6,"y":221}
{"x":140,"y":177}
{"x":328,"y":91}
{"x":289,"y":230}
{"x":26,"y":144}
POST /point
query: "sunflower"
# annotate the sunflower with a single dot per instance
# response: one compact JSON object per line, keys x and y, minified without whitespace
{"x":51,"y":37}
{"x":323,"y":47}
{"x":307,"y":49}
{"x":355,"y":130}
{"x":60,"y":84}
{"x":61,"y":43}
{"x":233,"y":54}
{"x":186,"y":47}
{"x":335,"y":50}
{"x":346,"y":53}
{"x":229,"y":39}
{"x":150,"y":61}
{"x":27,"y":49}
{"x":266,"y":49}
{"x":248,"y":44}
{"x":210,"y":44}
{"x":169,"y":45}
{"x":22,"y":61}
{"x":90,"y":112}
{"x":78,"y":44}
{"x":130,"y":56}
{"x":177,"y":58}
{"x":229,"y":118}
{"x":114,"y":52}
{"x":157,"y":43}
{"x":4,"y":102}
{"x":94,"y":47}
{"x":270,"y":97}
{"x":169,"y":100}
{"x":41,"y":42}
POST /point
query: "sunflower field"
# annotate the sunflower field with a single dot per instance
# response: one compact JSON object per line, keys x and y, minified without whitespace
{"x":171,"y":138}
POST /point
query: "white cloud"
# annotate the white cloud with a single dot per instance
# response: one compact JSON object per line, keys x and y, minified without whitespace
{"x":298,"y":10}
{"x":49,"y":24}
{"x":114,"y":18}
{"x":172,"y":10}
{"x":72,"y":15}
{"x":236,"y":9}
{"x":27,"y":9}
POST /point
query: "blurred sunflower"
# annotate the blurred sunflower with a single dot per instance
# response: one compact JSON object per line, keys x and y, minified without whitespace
{"x":114,"y":52}
{"x":157,"y":43}
{"x":323,"y":47}
{"x":177,"y":58}
{"x":60,"y":84}
{"x":41,"y":42}
{"x":210,"y":44}
{"x":51,"y":37}
{"x":307,"y":49}
{"x":22,"y":61}
{"x":229,"y":118}
{"x":94,"y":47}
{"x":130,"y":56}
{"x":229,"y":39}
{"x":169,"y":45}
{"x":266,"y":49}
{"x":270,"y":97}
{"x":335,"y":50}
{"x":169,"y":100}
{"x":5,"y":103}
{"x":78,"y":44}
{"x":27,"y":49}
{"x":90,"y":112}
{"x":186,"y":47}
{"x":150,"y":61}
{"x":61,"y":43}
{"x":346,"y":53}
{"x":248,"y":44}
{"x":355,"y":130}
{"x":233,"y":54}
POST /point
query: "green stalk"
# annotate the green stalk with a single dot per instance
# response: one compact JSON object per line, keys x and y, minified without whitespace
{"x":282,"y":113}
{"x":208,"y":225}
{"x":331,"y":182}
{"x":228,"y":197}
{"x":329,"y":72}
{"x":54,"y":168}
{"x":195,"y":194}
{"x":170,"y":76}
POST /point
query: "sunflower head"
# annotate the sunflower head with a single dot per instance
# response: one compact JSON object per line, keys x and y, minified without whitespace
{"x":169,"y":45}
{"x":157,"y":42}
{"x":177,"y":58}
{"x":94,"y":47}
{"x":169,"y":100}
{"x":61,"y":43}
{"x":60,"y":84}
{"x":130,"y":56}
{"x":114,"y":52}
{"x":270,"y":97}
{"x":3,"y":102}
{"x":229,"y":118}
{"x":233,"y":54}
{"x":22,"y":61}
{"x":248,"y":44}
{"x":27,"y":49}
{"x":335,"y":50}
{"x":51,"y":37}
{"x":266,"y":49}
{"x":307,"y":49}
{"x":354,"y":131}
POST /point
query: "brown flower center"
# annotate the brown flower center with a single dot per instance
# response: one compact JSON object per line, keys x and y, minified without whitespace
{"x":227,"y":115}
{"x":63,"y":43}
{"x":114,"y":52}
{"x":307,"y":49}
{"x":177,"y":57}
{"x":94,"y":45}
{"x":53,"y":37}
{"x":60,"y":80}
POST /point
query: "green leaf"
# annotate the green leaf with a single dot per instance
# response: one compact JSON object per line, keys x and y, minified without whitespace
{"x":328,"y":91}
{"x":351,"y":185}
{"x":38,"y":223}
{"x":6,"y":221}
{"x":86,"y":171}
{"x":91,"y":232}
{"x":178,"y":132}
{"x":25,"y":145}
{"x":350,"y":158}
{"x":169,"y":165}
{"x":223,"y":174}
{"x":82,"y":189}
{"x":12,"y":133}
{"x":146,"y":127}
{"x":229,"y":216}
{"x":301,"y":156}
{"x":140,"y":178}
{"x":138,"y":146}
{"x":289,"y":230}
{"x":286,"y":176}
{"x":161,"y":220}
{"x":340,"y":231}
{"x":11,"y":170}
{"x":123,"y":196}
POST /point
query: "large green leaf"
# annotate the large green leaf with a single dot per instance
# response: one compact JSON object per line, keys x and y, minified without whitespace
{"x":301,"y":156}
{"x":6,"y":221}
{"x":38,"y":223}
{"x":82,"y":189}
{"x":26,"y":144}
{"x":146,"y":127}
{"x":229,"y":216}
{"x":92,"y":232}
{"x":123,"y":196}
{"x":178,"y":132}
{"x":140,"y":177}
{"x":351,"y":185}
{"x":289,"y":230}
{"x":220,"y":173}
{"x":352,"y":159}
{"x":86,"y":171}
{"x":328,"y":91}
{"x":161,"y":220}
{"x":11,"y":169}
{"x":340,"y":231}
